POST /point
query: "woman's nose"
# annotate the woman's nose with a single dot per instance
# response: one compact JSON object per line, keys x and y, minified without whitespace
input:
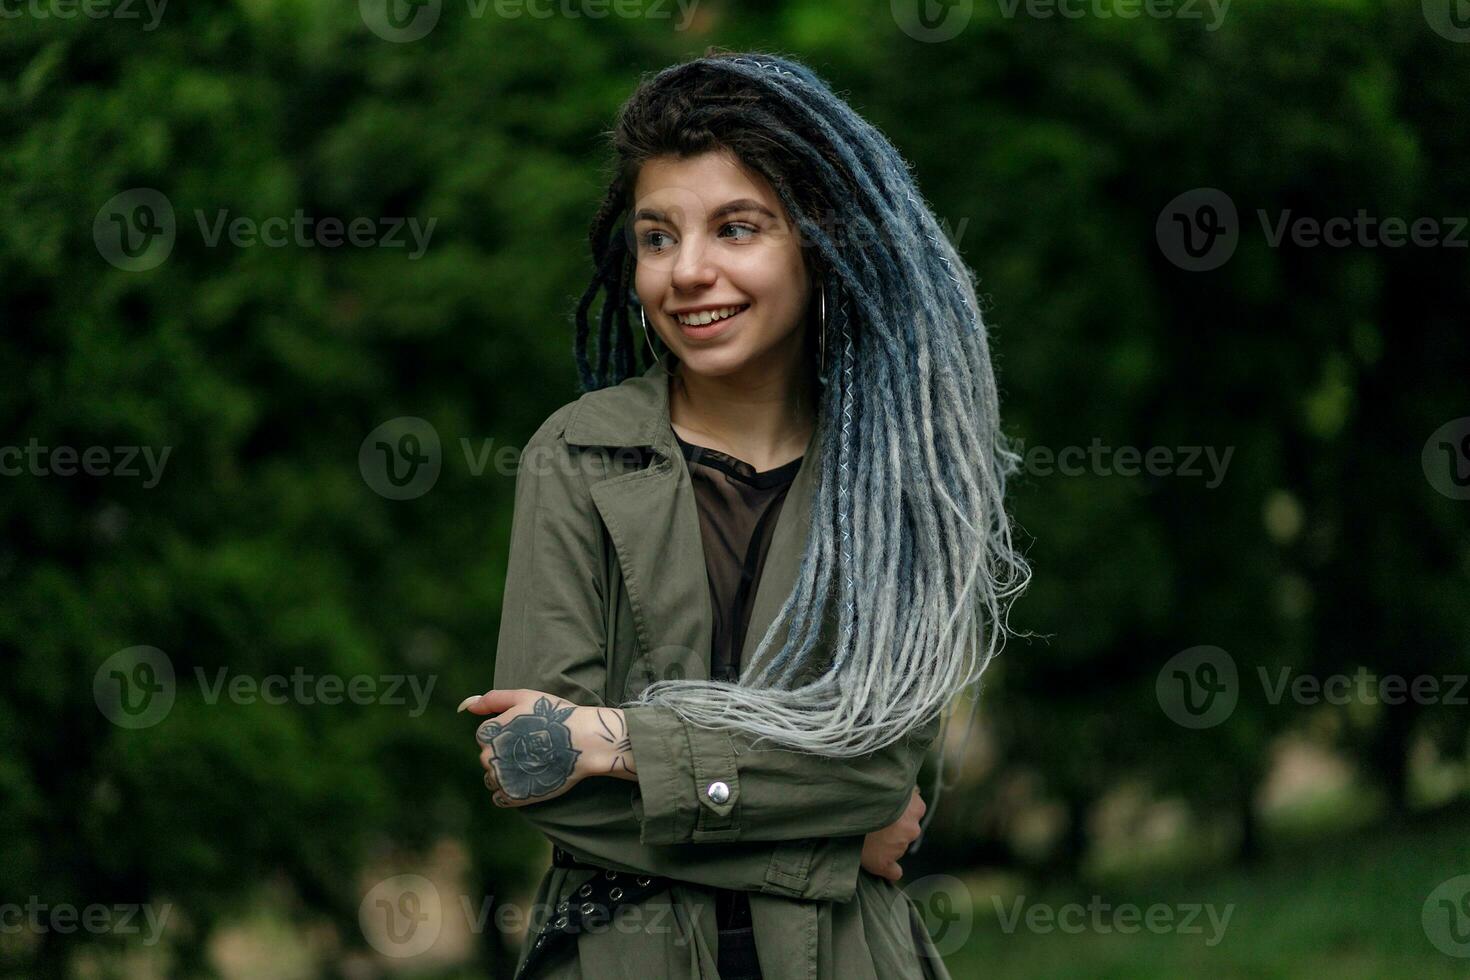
{"x":692,"y":267}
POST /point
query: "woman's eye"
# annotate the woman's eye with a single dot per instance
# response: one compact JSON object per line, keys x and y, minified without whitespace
{"x":745,"y":228}
{"x":648,"y":237}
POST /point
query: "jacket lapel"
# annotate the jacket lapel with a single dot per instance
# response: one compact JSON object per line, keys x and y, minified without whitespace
{"x":652,"y":518}
{"x":653,"y":522}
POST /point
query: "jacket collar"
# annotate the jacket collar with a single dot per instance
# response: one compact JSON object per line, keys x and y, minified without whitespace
{"x":633,"y":413}
{"x":653,"y":521}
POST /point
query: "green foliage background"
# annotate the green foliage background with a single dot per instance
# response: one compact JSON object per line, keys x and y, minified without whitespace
{"x":1047,"y":145}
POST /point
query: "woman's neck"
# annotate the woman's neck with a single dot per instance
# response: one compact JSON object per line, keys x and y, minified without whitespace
{"x":766,"y":423}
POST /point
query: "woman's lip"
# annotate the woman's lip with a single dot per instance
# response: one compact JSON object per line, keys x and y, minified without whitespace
{"x":709,"y":330}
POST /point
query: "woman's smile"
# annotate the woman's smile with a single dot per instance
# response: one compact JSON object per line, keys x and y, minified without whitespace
{"x":707,"y":331}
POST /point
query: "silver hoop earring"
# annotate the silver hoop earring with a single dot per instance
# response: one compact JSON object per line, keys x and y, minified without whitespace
{"x":647,"y":339}
{"x":822,"y":335}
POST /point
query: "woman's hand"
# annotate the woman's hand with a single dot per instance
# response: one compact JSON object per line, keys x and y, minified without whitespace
{"x":883,"y":848}
{"x":538,"y":746}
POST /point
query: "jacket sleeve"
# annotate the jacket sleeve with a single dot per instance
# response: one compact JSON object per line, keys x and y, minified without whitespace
{"x":702,"y":785}
{"x":553,"y":639}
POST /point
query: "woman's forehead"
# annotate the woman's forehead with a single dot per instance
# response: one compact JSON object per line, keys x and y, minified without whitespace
{"x":699,"y":184}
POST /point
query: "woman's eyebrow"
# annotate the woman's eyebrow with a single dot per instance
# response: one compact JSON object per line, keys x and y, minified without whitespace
{"x":730,"y":207}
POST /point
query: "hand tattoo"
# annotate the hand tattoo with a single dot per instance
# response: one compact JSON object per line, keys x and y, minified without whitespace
{"x":615,"y":733}
{"x":532,"y":754}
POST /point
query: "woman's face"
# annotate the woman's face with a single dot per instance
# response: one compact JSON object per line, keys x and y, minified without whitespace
{"x":710,"y":235}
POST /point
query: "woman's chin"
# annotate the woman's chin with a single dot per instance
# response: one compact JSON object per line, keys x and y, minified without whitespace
{"x":713,"y":362}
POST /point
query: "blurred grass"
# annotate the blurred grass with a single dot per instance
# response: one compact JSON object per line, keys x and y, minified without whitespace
{"x":1344,"y":902}
{"x":1342,"y":906}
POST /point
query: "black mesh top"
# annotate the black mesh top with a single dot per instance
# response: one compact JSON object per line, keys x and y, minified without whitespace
{"x":738,"y":508}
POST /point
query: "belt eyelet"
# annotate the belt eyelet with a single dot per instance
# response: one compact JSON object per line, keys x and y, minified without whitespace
{"x":615,"y":894}
{"x":587,"y":908}
{"x":585,"y":890}
{"x":611,"y":875}
{"x":644,"y":882}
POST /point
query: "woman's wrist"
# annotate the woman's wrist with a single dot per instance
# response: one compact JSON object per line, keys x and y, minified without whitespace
{"x":601,"y":737}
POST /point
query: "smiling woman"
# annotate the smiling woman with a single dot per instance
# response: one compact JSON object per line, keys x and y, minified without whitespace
{"x":755,"y":574}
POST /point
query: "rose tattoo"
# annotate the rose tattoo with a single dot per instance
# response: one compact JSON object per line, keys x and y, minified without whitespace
{"x":533,"y":753}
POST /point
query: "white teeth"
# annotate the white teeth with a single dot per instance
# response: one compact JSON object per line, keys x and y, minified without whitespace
{"x":709,"y":316}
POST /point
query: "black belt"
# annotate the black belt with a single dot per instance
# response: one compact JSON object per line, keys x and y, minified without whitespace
{"x":594,"y":903}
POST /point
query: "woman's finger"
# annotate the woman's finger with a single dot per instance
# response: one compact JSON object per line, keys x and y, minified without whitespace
{"x":492,"y":701}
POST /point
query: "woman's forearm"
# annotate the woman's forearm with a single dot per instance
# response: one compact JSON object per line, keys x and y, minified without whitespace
{"x":696,"y":786}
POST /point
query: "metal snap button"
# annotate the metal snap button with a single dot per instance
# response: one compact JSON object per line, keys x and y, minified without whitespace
{"x":718,"y":791}
{"x":561,"y":923}
{"x":643,"y":882}
{"x":615,"y":894}
{"x":587,"y":908}
{"x":585,"y":890}
{"x":563,"y":906}
{"x":611,"y":875}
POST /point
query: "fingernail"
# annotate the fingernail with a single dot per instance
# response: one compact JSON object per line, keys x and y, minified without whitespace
{"x":467,"y":702}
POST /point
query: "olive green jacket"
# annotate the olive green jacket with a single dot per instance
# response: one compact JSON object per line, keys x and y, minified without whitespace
{"x":606,"y":591}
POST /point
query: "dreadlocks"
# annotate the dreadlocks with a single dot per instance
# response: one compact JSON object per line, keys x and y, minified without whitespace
{"x":910,"y":546}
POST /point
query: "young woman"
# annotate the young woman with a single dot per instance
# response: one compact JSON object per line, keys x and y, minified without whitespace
{"x":746,"y":579}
